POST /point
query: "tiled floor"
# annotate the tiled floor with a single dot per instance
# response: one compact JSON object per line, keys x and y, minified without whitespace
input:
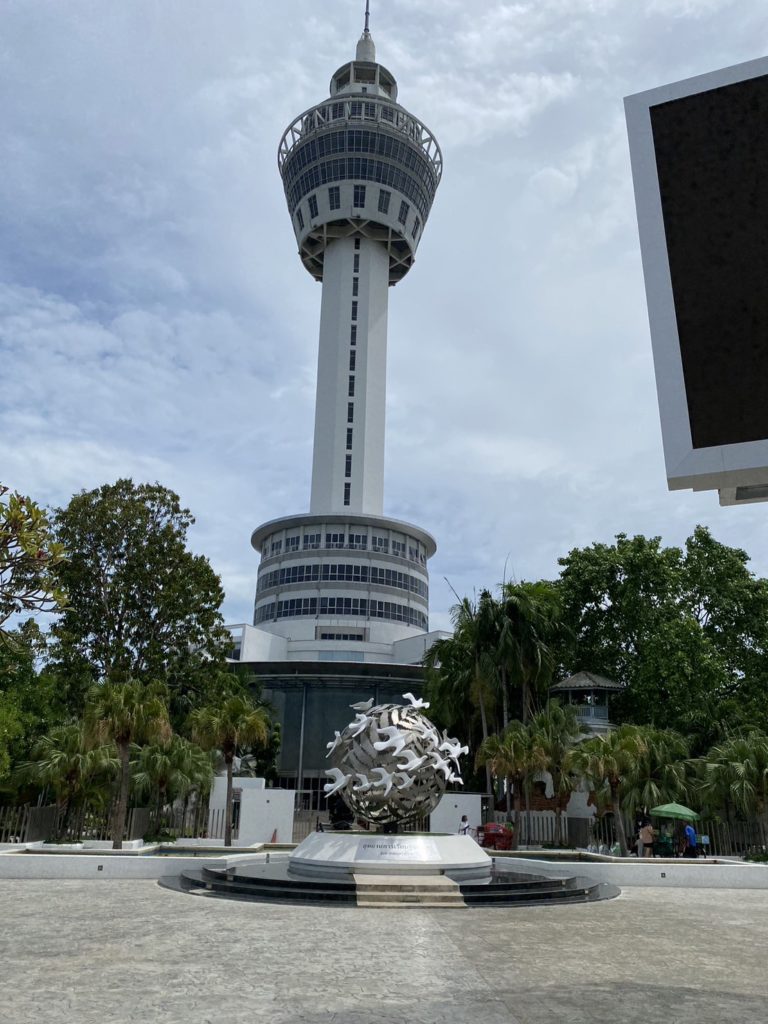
{"x":114,"y":952}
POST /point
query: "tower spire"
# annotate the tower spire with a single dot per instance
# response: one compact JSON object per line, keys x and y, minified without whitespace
{"x":365,"y":47}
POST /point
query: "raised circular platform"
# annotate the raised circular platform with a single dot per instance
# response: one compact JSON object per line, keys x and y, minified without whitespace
{"x":343,"y":854}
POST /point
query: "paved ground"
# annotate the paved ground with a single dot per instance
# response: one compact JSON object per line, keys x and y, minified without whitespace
{"x":119,"y":952}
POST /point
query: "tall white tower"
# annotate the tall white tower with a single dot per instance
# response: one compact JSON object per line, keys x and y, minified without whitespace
{"x":360,"y":174}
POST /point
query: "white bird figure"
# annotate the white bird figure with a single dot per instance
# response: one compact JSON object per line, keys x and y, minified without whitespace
{"x":452,"y":747}
{"x":338,"y":781}
{"x":395,"y":739}
{"x":363,"y":785}
{"x":364,"y":705}
{"x":412,"y":762}
{"x":408,"y":780}
{"x":334,"y":743}
{"x":385,"y":779}
{"x":415,"y":702}
{"x":429,"y":733}
{"x":441,"y":764}
{"x":359,"y":725}
{"x":457,"y":779}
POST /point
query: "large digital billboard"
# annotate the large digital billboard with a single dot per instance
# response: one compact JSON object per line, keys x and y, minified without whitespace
{"x":699,"y":151}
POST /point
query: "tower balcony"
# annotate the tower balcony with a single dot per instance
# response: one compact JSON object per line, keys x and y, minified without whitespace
{"x":359,"y":165}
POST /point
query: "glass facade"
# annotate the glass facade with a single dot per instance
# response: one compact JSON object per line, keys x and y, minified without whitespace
{"x":357,"y":607}
{"x":343,"y":572}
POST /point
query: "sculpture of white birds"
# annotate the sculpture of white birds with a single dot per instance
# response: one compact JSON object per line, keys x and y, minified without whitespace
{"x":338,"y":781}
{"x":385,"y":779}
{"x":441,"y":764}
{"x":363,"y":785}
{"x":412,"y":763}
{"x":457,"y":779}
{"x":408,"y":780}
{"x":360,"y":723}
{"x":453,"y":748}
{"x":395,"y":739}
{"x":363,"y":705}
{"x":334,"y":743}
{"x":415,"y":702}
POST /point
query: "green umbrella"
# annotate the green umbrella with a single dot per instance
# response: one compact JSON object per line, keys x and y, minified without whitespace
{"x":675,"y":811}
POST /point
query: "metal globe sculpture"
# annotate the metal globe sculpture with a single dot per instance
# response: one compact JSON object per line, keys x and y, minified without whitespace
{"x":391,"y":765}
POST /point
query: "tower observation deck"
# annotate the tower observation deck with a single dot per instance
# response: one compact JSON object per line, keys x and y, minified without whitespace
{"x":360,"y":174}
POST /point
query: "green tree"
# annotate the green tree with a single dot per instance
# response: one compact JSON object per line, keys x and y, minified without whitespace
{"x":28,"y":557}
{"x":126,"y":714}
{"x":228,"y":726}
{"x":65,"y":763}
{"x":686,"y":631}
{"x":660,"y":775}
{"x":607,"y":762}
{"x":515,"y":757}
{"x":141,"y":606}
{"x":11,"y":729}
{"x":171,"y":771}
{"x":735,"y":773}
{"x":555,"y":731}
{"x":532,"y":617}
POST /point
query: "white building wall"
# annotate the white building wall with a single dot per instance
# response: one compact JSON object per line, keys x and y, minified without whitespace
{"x":263,"y":812}
{"x":333,"y":376}
{"x":448,"y":813}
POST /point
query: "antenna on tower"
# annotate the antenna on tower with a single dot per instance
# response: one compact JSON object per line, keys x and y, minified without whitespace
{"x":367,"y":15}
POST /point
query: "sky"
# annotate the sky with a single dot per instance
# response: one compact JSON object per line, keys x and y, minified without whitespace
{"x":156,"y":322}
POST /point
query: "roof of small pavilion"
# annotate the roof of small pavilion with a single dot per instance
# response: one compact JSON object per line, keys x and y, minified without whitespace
{"x":585,"y":681}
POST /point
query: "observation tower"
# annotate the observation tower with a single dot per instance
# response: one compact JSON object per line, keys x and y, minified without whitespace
{"x":344,"y":583}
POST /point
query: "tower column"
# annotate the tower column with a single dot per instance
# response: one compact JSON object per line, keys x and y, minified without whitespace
{"x":348,"y":461}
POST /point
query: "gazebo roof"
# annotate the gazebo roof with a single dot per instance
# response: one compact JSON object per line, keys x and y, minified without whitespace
{"x":585,"y":681}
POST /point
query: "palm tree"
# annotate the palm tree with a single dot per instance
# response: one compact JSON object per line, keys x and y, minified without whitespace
{"x":735,"y":772}
{"x":514,"y":757}
{"x":607,"y":762}
{"x":556,"y":730}
{"x":125,"y":714}
{"x":533,"y":612}
{"x":171,"y":771}
{"x":235,"y":722}
{"x":661,"y":772}
{"x":64,"y":762}
{"x":461,"y":668}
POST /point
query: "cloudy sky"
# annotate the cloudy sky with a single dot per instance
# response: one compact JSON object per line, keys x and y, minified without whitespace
{"x":155,"y":321}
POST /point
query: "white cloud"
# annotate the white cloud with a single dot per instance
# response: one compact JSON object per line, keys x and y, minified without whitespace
{"x":155,"y":320}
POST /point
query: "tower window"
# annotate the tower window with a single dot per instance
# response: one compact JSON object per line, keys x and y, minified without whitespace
{"x":353,"y":335}
{"x":384,"y":197}
{"x":354,"y":311}
{"x":352,"y":360}
{"x":358,"y":195}
{"x":334,"y":197}
{"x":403,"y":215}
{"x":349,"y":438}
{"x":357,"y":243}
{"x":347,"y":493}
{"x":313,"y":206}
{"x":355,"y":285}
{"x":300,"y":219}
{"x":348,"y":466}
{"x":416,"y":226}
{"x":356,"y":267}
{"x":350,"y":412}
{"x":351,"y":391}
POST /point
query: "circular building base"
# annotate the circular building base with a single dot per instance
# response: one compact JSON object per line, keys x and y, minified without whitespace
{"x":341,"y":854}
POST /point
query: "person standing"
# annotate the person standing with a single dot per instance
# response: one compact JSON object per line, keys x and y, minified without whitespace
{"x":645,"y":839}
{"x":691,"y":847}
{"x":464,"y":825}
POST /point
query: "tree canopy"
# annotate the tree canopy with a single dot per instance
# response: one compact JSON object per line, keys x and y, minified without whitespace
{"x":141,"y":605}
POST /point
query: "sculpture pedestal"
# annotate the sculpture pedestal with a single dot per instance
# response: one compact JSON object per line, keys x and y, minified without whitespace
{"x":337,"y":854}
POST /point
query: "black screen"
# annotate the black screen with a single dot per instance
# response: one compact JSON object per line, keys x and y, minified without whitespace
{"x":712,"y":161}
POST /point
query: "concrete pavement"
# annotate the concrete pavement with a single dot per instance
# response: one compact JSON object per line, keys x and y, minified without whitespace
{"x":116,"y":952}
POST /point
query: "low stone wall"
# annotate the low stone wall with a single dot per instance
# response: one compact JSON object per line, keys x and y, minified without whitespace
{"x":103,"y":864}
{"x":715,"y":873}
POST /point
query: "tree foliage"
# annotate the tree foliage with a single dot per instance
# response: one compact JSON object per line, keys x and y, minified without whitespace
{"x":141,"y":605}
{"x":28,"y":557}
